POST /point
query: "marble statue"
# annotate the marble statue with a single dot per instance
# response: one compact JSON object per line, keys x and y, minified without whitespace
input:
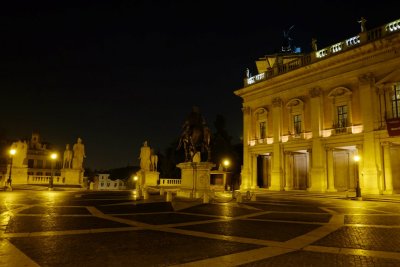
{"x":144,"y":157}
{"x":21,"y":148}
{"x":67,"y":157}
{"x":153,"y":161}
{"x":79,"y":154}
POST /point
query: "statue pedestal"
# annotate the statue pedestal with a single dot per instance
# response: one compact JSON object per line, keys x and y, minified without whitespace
{"x":148,"y":178}
{"x":195,"y":178}
{"x":72,"y":176}
{"x":19,"y":175}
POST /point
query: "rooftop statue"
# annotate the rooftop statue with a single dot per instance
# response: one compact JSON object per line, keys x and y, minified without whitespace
{"x":195,"y":136}
{"x":362,"y":22}
{"x":314,"y":44}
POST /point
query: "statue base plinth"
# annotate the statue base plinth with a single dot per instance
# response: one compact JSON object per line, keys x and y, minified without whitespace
{"x":195,"y":178}
{"x":148,"y":178}
{"x":72,"y":176}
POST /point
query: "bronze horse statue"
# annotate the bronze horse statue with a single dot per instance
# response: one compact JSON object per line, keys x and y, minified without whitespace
{"x":195,"y":136}
{"x":195,"y":140}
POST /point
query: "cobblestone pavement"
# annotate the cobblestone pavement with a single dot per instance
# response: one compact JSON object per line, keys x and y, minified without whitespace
{"x":63,"y":228}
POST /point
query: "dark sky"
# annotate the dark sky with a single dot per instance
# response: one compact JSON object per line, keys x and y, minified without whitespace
{"x":117,"y":73}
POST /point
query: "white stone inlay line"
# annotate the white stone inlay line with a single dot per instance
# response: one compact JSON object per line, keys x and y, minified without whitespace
{"x":11,"y":256}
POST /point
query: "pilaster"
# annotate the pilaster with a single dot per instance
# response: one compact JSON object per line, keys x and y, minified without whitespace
{"x":331,"y":178}
{"x":387,"y":169}
{"x":276,"y":172}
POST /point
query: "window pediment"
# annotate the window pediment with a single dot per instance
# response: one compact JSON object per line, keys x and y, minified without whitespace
{"x":339,"y":92}
{"x":295,"y":103}
{"x":261,"y":114}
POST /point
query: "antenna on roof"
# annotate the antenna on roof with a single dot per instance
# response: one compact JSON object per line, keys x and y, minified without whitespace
{"x":287,"y":46}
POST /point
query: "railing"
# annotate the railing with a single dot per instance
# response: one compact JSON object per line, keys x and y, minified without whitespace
{"x":170,"y":182}
{"x":303,"y":60}
{"x":44,"y":179}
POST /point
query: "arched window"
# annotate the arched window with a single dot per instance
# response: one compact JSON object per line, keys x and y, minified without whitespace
{"x":341,"y":108}
{"x":261,"y":118}
{"x":296,"y":116}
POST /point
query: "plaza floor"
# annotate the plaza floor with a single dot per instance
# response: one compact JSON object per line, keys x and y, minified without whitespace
{"x":81,"y":228}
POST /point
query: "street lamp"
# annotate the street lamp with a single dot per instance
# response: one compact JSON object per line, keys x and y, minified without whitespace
{"x":137,"y":192}
{"x":358,"y":189}
{"x":12,"y":153}
{"x":227,"y":163}
{"x":53,"y":157}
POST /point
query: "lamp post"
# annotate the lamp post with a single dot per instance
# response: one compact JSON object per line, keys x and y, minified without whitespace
{"x":227,"y":163}
{"x":358,"y":189}
{"x":12,"y":153}
{"x":135,"y":178}
{"x":53,"y":157}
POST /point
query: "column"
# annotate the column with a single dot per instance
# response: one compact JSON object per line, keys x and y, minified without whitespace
{"x":254,"y":171}
{"x":317,"y":171}
{"x":276,"y":172}
{"x":331,"y":178}
{"x":387,"y":169}
{"x":369,"y":178}
{"x":246,"y":168}
{"x":288,"y":171}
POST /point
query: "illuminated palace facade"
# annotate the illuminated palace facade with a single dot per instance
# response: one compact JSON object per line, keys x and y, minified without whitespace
{"x":32,"y":164}
{"x":306,"y":117}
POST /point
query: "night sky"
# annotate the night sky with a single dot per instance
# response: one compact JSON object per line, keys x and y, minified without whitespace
{"x":117,"y":73}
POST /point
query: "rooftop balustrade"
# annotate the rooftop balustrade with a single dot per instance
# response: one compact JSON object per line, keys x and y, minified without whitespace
{"x":303,"y":60}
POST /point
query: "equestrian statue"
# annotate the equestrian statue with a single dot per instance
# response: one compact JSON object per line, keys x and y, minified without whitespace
{"x":196,"y":136}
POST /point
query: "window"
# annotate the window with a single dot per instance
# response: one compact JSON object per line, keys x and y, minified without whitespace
{"x":260,"y":121}
{"x":263,"y":129}
{"x":341,"y":105}
{"x":342,"y":116}
{"x":30,"y":163}
{"x":396,"y":102}
{"x":102,"y":184}
{"x":297,"y":124}
{"x":296,"y":116}
{"x":39,"y":163}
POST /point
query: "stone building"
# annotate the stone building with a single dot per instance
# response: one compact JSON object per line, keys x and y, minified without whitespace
{"x":306,"y":117}
{"x":32,"y":164}
{"x":103,"y":182}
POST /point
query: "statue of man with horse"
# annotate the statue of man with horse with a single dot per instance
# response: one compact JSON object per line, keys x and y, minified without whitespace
{"x":196,"y":136}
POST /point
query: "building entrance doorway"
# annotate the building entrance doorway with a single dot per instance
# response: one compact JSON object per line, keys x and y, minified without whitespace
{"x":263,"y":171}
{"x":343,"y":168}
{"x":300,"y":171}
